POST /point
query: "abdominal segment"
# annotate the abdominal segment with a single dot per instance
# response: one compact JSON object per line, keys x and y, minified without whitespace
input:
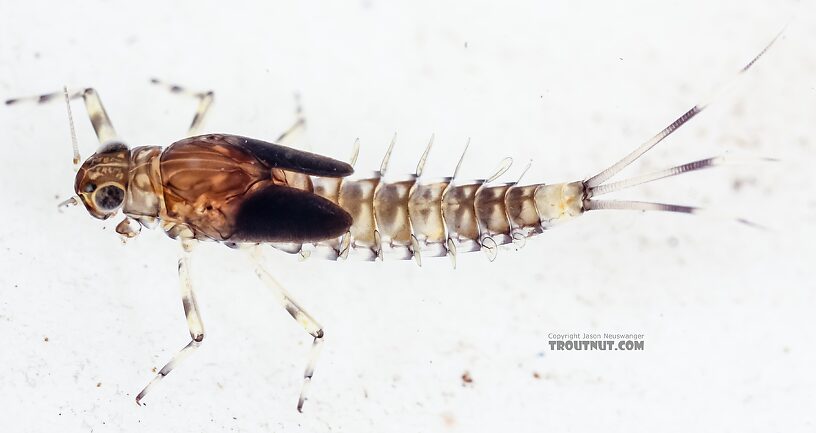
{"x":410,"y":216}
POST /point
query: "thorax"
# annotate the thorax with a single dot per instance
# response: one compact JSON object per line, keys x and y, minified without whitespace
{"x":144,"y":198}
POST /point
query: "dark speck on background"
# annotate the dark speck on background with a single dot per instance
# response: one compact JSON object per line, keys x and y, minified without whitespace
{"x":448,"y":419}
{"x":467,"y":379}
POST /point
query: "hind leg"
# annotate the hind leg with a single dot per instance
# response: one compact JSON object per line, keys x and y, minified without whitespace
{"x":298,"y":128}
{"x":300,"y":315}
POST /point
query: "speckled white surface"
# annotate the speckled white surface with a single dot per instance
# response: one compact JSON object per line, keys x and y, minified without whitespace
{"x":727,"y":310}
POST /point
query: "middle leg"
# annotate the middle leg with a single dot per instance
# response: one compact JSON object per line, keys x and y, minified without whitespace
{"x":190,"y":312}
{"x":205,"y":99}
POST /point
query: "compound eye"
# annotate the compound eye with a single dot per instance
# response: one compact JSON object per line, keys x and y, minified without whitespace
{"x":109,"y":197}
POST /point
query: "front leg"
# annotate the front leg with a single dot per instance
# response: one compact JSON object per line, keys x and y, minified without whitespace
{"x":93,"y":105}
{"x":128,"y":228}
{"x":190,"y":311}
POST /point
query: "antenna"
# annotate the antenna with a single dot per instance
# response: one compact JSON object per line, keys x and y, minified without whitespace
{"x":74,"y":143}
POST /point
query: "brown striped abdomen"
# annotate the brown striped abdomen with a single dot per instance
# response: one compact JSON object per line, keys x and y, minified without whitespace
{"x":398,"y":219}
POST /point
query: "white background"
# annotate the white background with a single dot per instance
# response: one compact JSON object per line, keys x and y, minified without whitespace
{"x":727,"y":310}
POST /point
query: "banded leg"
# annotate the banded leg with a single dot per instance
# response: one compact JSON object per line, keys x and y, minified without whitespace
{"x":300,"y":315}
{"x":291,"y":133}
{"x":193,"y":319}
{"x":205,"y":99}
{"x":93,"y":104}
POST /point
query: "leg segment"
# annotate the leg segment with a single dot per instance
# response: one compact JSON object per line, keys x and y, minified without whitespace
{"x":288,"y":136}
{"x":205,"y":99}
{"x":300,"y":315}
{"x":93,"y":104}
{"x":193,"y":319}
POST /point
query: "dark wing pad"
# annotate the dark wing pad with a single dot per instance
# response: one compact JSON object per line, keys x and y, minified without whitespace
{"x":277,"y":156}
{"x":283,"y":214}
